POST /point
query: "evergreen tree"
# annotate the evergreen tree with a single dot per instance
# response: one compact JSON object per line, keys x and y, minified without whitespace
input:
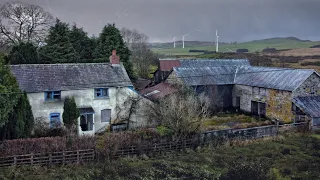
{"x":24,"y":53}
{"x":58,"y":48}
{"x":9,"y":93}
{"x":20,"y":122}
{"x":110,"y":39}
{"x":82,"y":44}
{"x":70,"y":112}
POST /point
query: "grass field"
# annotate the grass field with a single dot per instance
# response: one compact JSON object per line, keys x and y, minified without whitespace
{"x":284,"y":158}
{"x":252,"y":46}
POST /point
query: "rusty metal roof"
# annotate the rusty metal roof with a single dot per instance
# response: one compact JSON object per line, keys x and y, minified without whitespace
{"x":158,"y":91}
{"x":309,"y":105}
{"x":168,"y":64}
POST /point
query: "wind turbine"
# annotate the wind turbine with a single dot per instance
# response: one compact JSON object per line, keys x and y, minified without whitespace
{"x":217,"y":41}
{"x":174,"y":42}
{"x":183,"y":40}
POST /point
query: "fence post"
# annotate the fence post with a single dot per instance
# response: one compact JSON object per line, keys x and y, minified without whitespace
{"x":31,"y":159}
{"x":50,"y":158}
{"x":15,"y":160}
{"x":63,"y":158}
{"x":78,"y":158}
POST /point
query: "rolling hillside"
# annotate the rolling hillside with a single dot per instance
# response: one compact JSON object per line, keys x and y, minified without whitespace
{"x":253,"y":46}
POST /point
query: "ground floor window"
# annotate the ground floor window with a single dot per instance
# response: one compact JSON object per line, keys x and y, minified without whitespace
{"x":258,"y":108}
{"x":106,"y":115}
{"x":55,"y":120}
{"x":86,"y":122}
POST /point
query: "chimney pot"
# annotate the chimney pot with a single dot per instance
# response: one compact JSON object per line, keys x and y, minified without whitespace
{"x":114,"y":59}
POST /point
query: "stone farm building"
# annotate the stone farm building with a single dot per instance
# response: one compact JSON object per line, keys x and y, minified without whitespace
{"x":278,"y":93}
{"x":99,"y":91}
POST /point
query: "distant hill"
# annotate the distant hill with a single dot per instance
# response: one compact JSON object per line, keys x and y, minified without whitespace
{"x":253,"y":46}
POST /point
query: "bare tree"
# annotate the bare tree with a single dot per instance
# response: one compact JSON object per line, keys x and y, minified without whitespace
{"x":182,"y":112}
{"x":21,"y":22}
{"x":141,"y":55}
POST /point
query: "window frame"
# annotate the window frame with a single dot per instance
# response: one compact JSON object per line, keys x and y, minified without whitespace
{"x":51,"y":118}
{"x":101,"y":90}
{"x":53,"y":93}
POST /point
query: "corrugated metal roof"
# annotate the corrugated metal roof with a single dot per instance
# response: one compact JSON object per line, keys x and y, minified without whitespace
{"x":158,"y":91}
{"x":167,"y":65}
{"x":309,"y":105}
{"x":206,"y":75}
{"x":273,"y":78}
{"x":198,"y":63}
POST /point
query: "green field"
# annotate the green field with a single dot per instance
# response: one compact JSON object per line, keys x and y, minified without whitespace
{"x":283,"y":158}
{"x":252,"y":46}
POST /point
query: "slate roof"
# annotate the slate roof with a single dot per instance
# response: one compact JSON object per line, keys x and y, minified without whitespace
{"x":49,"y":77}
{"x":206,"y":72}
{"x":309,"y":105}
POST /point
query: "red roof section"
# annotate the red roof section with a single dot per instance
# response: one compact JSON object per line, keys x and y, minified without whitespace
{"x":158,"y":91}
{"x":167,"y":65}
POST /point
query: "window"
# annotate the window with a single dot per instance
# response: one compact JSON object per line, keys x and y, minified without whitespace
{"x":52,"y":95}
{"x":106,"y":115}
{"x":55,"y":120}
{"x":101,"y":92}
{"x":258,"y":108}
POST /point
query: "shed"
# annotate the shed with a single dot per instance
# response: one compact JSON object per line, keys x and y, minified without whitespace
{"x":310,"y":105}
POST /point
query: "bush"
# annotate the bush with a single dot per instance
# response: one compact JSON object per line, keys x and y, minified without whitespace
{"x":45,"y":145}
{"x":242,"y":50}
{"x":317,"y":63}
{"x":42,"y":129}
{"x":315,"y":46}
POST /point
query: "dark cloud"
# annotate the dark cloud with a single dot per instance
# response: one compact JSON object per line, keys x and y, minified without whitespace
{"x":163,"y":19}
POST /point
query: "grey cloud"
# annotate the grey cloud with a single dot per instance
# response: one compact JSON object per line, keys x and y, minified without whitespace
{"x":162,"y":19}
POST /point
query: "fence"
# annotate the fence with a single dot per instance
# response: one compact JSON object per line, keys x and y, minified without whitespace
{"x":65,"y":157}
{"x":203,"y":139}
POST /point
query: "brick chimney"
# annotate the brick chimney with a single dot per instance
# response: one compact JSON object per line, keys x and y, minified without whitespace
{"x":114,"y":59}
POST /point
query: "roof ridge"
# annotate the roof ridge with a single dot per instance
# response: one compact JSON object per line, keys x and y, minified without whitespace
{"x":58,"y":64}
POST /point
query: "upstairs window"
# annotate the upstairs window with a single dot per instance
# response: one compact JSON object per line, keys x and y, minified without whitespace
{"x":101,"y":92}
{"x":55,"y":120}
{"x":52,"y":95}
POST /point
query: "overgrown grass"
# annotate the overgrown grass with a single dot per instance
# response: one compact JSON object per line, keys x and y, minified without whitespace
{"x":292,"y":157}
{"x":226,"y":121}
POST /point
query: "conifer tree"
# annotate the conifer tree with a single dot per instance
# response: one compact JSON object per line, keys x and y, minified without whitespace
{"x":58,"y":48}
{"x":70,"y":113}
{"x":110,"y":39}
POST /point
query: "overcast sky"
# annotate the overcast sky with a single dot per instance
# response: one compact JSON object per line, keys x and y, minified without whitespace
{"x":161,"y":20}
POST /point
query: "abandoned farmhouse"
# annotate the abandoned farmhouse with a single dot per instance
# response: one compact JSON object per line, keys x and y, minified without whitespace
{"x":98,"y":90}
{"x":288,"y":95}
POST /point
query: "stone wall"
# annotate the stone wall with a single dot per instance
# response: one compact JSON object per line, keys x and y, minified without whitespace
{"x":278,"y":103}
{"x":311,"y":87}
